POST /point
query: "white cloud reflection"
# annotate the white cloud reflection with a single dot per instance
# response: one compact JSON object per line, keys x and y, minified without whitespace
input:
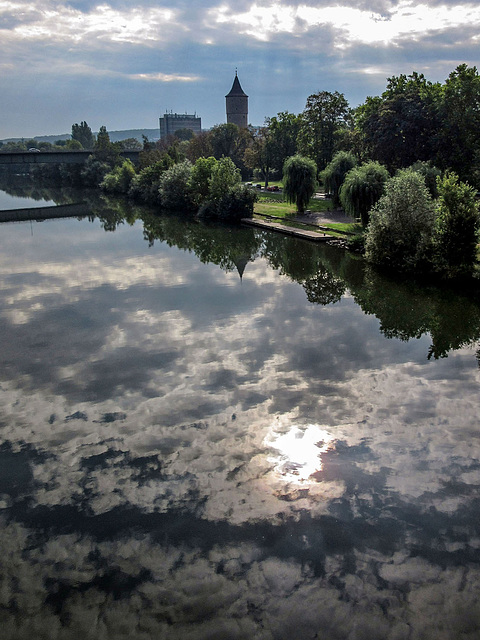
{"x":272,"y":479}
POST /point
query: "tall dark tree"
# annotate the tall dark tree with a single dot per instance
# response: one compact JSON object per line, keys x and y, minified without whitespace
{"x":230,"y":141}
{"x":459,"y":143}
{"x":104,"y":150}
{"x":83,"y":134}
{"x":259,"y":154}
{"x":402,"y":125}
{"x":325,"y":113}
{"x":284,"y":129}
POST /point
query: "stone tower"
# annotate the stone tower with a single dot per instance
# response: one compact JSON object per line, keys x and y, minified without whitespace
{"x":237,"y":105}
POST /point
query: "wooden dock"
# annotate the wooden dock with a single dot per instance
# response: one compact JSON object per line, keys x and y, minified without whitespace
{"x":270,"y":225}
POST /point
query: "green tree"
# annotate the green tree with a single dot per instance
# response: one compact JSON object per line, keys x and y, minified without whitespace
{"x":174,"y":191}
{"x":200,"y":146}
{"x":130,"y":144}
{"x":146,"y":183}
{"x":456,"y":228}
{"x":224,"y":176}
{"x":73,"y":145}
{"x":334,"y":173}
{"x":430,"y":174}
{"x":299,"y":180}
{"x":284,"y":129}
{"x":119,"y":179}
{"x":235,"y":203}
{"x":224,"y":139}
{"x":184,"y":134}
{"x":229,"y":141}
{"x":200,"y":178}
{"x":362,"y":189}
{"x":83,"y":134}
{"x":324,"y":114}
{"x":259,"y":155}
{"x":15,"y":146}
{"x":401,"y":126}
{"x":399,"y":235}
{"x":458,"y":140}
{"x":105,"y":151}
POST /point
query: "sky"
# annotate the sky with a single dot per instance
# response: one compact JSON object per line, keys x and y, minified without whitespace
{"x":123,"y":65}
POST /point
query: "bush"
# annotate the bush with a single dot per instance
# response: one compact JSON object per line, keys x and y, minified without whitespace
{"x":400,"y":232}
{"x":174,"y":190}
{"x":362,"y":189}
{"x":224,"y":176}
{"x":235,"y":204}
{"x":456,"y":228}
{"x":94,"y":171}
{"x":119,"y":179}
{"x":200,"y":178}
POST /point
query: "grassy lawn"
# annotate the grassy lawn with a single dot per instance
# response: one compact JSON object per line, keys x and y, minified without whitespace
{"x":346,"y":227}
{"x":272,"y":204}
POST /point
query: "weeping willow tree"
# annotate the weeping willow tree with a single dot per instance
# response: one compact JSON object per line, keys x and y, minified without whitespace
{"x":362,"y":188}
{"x":334,"y":173}
{"x":299,"y":180}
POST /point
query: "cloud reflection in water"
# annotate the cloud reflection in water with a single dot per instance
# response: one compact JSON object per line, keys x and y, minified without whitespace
{"x":187,"y":458}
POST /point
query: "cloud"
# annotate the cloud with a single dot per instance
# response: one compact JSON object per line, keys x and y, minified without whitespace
{"x":351,"y":25}
{"x":77,"y":59}
{"x":163,"y":77}
{"x":103,"y":23}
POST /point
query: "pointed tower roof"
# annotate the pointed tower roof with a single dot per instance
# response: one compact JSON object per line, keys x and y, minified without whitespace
{"x":236,"y":89}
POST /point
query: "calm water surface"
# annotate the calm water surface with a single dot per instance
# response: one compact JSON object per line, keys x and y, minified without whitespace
{"x":8,"y":202}
{"x":210,"y":433}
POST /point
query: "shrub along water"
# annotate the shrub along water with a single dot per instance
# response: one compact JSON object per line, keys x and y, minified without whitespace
{"x":399,"y":234}
{"x":411,"y":232}
{"x":209,"y":188}
{"x":456,"y":228}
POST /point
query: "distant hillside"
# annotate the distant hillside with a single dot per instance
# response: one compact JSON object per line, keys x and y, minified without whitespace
{"x":115,"y":136}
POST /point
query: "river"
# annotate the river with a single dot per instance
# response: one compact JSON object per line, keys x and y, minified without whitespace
{"x":222,"y":433}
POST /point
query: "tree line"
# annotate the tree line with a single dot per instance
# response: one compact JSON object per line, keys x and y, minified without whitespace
{"x":413,"y":120}
{"x":406,"y":160}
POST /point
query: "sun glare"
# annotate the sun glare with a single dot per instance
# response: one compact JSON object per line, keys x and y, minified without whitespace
{"x":298,"y":451}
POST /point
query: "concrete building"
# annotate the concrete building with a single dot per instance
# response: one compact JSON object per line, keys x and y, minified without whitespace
{"x":172,"y":122}
{"x":237,"y":105}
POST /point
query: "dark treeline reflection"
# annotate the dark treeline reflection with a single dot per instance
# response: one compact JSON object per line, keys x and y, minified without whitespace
{"x":405,"y":309}
{"x":18,"y":184}
{"x":409,"y":310}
